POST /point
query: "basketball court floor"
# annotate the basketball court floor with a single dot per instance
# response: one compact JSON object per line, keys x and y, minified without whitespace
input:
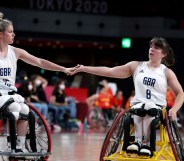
{"x":74,"y":146}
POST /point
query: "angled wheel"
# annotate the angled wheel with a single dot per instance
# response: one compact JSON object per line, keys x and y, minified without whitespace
{"x":95,"y":118}
{"x":43,"y":135}
{"x":114,"y":135}
{"x":175,"y":138}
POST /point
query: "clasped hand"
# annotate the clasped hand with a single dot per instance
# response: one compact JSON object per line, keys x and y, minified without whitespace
{"x":74,"y":70}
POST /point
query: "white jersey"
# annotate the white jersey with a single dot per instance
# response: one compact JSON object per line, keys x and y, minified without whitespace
{"x":8,"y":68}
{"x":150,"y":84}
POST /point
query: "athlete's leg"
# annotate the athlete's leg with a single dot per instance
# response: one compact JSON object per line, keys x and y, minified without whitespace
{"x":145,"y":149}
{"x":22,"y":127}
{"x":138,"y":126}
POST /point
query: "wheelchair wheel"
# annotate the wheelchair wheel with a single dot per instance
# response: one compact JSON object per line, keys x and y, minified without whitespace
{"x":175,"y":138}
{"x":114,"y":135}
{"x":95,"y":118}
{"x":43,"y":135}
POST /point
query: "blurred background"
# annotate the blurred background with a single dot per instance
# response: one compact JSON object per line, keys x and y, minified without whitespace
{"x":92,"y":32}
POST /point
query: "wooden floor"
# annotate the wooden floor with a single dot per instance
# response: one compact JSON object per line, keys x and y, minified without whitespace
{"x":76,"y":147}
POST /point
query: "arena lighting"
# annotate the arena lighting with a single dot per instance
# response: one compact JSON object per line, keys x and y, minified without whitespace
{"x":126,"y":42}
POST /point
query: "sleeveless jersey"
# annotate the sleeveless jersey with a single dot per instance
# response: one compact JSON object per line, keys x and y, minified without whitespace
{"x":150,"y":84}
{"x":104,"y":101}
{"x":8,"y":68}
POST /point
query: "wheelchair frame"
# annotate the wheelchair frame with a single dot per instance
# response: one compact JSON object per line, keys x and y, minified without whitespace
{"x":168,"y":148}
{"x":43,"y":141}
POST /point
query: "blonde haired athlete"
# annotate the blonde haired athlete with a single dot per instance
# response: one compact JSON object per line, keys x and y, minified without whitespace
{"x":8,"y":65}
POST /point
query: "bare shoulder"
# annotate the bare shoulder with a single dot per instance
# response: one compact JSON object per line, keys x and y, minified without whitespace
{"x":169,"y":73}
{"x":133,"y":65}
{"x":19,"y":51}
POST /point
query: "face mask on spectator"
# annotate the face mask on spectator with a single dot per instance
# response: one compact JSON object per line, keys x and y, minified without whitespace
{"x":30,"y":87}
{"x":62,"y":86}
{"x":38,"y":82}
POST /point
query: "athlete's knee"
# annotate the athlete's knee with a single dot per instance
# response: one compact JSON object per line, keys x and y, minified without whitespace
{"x":24,"y":109}
{"x":14,"y":108}
{"x":152,"y":109}
{"x":24,"y":112}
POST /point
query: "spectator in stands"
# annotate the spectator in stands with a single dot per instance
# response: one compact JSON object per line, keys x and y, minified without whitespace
{"x":25,"y":90}
{"x":64,"y":106}
{"x":38,"y":98}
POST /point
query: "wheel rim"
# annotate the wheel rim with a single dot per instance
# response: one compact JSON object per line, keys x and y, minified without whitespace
{"x":175,"y":138}
{"x":113,"y":136}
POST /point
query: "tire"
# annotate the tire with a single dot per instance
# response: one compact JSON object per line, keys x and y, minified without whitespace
{"x":174,"y":138}
{"x":113,"y":136}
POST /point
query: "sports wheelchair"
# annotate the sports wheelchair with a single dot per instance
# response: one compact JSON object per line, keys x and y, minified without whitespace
{"x":95,"y":118}
{"x":38,"y":137}
{"x":167,"y":146}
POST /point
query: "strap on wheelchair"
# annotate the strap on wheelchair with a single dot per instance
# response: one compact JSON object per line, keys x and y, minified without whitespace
{"x":23,"y":116}
{"x":6,"y":104}
{"x":12,"y":138}
{"x":32,"y":135}
{"x":153,"y":126}
{"x":11,"y":118}
{"x":126,"y":128}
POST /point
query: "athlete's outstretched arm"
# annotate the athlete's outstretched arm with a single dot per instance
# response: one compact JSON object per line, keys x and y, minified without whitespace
{"x":42,"y":63}
{"x":123,"y":71}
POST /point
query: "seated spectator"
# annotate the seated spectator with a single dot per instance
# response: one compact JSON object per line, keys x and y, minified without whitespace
{"x":26,"y":90}
{"x":64,"y":107}
{"x":38,"y":97}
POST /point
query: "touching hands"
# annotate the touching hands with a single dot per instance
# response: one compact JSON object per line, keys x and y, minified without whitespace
{"x":74,"y":70}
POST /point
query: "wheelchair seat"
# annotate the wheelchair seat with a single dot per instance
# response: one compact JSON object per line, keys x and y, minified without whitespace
{"x":168,"y":145}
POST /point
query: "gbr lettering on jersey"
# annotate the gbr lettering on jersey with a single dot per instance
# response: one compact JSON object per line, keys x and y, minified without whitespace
{"x":150,"y":84}
{"x":5,"y":71}
{"x":8,"y":68}
{"x":149,"y":81}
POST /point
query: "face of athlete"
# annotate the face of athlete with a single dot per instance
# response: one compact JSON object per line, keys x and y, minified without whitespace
{"x":156,"y":53}
{"x":8,"y":35}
